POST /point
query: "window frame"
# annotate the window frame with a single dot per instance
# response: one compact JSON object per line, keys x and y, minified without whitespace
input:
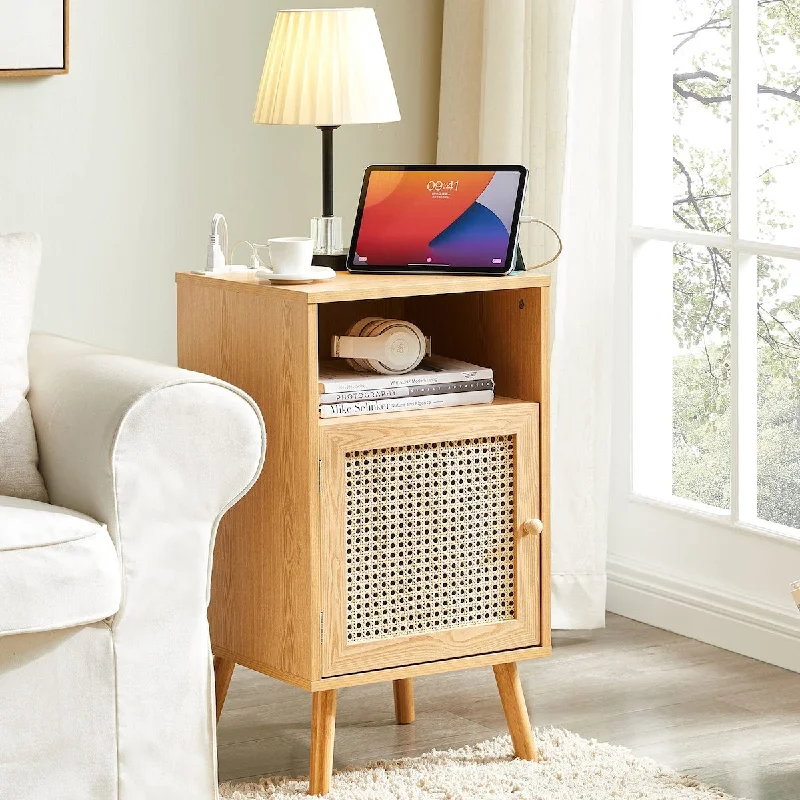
{"x":744,"y":246}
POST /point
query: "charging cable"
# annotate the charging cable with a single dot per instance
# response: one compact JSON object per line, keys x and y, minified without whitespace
{"x":255,"y":259}
{"x":527,"y":219}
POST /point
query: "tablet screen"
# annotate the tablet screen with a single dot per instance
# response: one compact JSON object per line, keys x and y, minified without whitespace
{"x":438,"y":218}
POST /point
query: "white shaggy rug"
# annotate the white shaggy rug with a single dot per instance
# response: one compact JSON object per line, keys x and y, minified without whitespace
{"x":570,"y":768}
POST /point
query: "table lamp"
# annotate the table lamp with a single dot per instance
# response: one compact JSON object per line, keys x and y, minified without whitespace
{"x":326,"y":67}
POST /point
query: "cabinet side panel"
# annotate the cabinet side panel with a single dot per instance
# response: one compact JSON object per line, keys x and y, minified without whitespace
{"x":262,"y":589}
{"x":540,"y":300}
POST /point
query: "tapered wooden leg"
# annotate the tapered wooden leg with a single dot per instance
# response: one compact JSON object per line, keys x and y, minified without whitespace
{"x":223,"y":670}
{"x":323,"y":729}
{"x":513,"y":700}
{"x":404,"y":700}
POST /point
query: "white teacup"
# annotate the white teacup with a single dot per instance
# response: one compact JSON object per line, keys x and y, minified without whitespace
{"x":291,"y":254}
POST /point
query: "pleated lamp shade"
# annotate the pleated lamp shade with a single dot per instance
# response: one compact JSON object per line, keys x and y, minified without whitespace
{"x":326,"y":67}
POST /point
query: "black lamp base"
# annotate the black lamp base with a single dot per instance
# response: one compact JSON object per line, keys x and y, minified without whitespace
{"x":336,"y":261}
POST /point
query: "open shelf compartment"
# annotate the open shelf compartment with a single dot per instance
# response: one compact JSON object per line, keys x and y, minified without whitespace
{"x":498,"y":329}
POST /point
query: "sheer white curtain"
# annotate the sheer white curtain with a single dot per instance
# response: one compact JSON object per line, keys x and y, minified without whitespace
{"x":537,"y":82}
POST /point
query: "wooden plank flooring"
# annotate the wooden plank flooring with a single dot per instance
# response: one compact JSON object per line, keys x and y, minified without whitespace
{"x":725,"y":718}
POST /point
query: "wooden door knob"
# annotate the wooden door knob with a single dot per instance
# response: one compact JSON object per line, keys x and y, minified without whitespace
{"x":532,"y":526}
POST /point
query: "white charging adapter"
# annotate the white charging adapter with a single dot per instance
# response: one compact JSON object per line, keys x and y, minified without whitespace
{"x":217,"y":245}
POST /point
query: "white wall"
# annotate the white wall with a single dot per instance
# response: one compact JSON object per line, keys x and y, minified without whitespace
{"x":121,"y":164}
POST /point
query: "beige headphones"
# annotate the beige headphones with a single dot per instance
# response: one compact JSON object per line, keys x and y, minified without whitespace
{"x":387,"y":346}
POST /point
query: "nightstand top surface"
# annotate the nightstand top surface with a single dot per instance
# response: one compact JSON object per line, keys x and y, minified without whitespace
{"x":346,"y":287}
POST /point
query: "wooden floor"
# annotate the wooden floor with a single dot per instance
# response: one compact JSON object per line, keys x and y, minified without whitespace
{"x":729,"y":720}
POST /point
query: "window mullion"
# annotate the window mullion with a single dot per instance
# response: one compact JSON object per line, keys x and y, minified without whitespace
{"x":744,"y":278}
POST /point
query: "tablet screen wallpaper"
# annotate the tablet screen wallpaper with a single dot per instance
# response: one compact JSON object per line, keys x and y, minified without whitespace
{"x":457,"y":219}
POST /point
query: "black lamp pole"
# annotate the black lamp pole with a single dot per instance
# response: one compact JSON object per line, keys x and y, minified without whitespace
{"x":327,"y":169}
{"x":336,"y":261}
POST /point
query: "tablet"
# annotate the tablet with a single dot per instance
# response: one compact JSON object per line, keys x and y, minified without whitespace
{"x":438,"y":219}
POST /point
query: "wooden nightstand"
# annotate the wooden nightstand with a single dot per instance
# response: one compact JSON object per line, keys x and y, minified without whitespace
{"x":383,"y":547}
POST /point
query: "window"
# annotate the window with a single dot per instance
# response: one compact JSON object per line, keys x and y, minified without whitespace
{"x":716,"y":257}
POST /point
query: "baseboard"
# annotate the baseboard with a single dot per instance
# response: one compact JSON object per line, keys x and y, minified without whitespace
{"x":743,"y":625}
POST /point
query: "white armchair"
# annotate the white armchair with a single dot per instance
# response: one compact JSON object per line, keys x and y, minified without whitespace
{"x":106,"y":682}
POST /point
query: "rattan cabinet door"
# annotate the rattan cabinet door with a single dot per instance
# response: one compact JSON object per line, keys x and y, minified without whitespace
{"x":423,"y":555}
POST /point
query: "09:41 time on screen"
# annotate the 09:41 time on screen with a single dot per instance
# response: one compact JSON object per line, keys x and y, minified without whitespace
{"x":441,"y":186}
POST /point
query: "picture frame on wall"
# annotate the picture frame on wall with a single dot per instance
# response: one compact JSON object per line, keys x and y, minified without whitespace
{"x":34,"y":38}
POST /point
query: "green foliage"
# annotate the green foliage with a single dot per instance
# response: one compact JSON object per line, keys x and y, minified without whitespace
{"x":702,"y":437}
{"x":778,"y":444}
{"x":701,"y":431}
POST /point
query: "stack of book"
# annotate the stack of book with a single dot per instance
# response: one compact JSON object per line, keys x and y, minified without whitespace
{"x":437,"y":383}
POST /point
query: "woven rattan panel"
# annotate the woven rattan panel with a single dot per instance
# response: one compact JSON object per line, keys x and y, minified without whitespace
{"x":430,"y":537}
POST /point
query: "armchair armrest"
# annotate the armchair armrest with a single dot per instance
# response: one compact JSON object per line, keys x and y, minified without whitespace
{"x":158,"y":454}
{"x":133,"y":443}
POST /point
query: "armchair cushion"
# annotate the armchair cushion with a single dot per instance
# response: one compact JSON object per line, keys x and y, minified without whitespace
{"x":58,"y":569}
{"x":20,"y":254}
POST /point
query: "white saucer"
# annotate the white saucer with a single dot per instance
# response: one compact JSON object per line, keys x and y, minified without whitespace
{"x":311,"y":275}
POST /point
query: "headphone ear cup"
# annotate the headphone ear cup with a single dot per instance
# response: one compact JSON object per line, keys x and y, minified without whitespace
{"x":378,"y":328}
{"x":405,"y":347}
{"x":362,"y":328}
